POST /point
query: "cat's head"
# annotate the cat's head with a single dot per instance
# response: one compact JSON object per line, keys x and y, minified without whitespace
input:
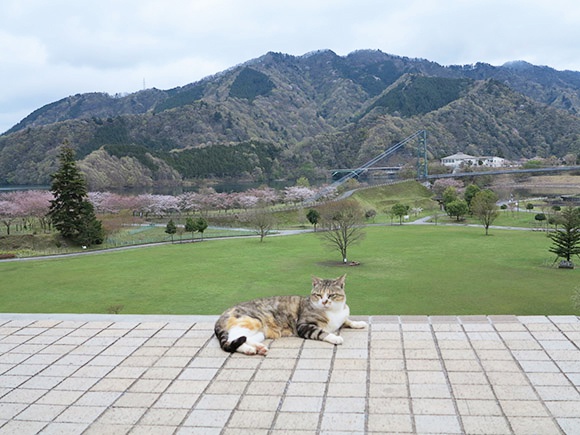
{"x":328,"y":293}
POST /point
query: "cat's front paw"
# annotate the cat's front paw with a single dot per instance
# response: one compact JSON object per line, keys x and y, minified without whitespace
{"x":334,"y":339}
{"x":358,"y":325}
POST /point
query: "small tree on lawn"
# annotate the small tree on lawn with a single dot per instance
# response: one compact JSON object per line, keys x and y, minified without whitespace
{"x":566,"y":240}
{"x":171,"y":229}
{"x":342,"y":225}
{"x":484,"y":208}
{"x":70,"y":211}
{"x":540,"y":218}
{"x":313,"y":217}
{"x":400,"y":210}
{"x":262,"y":222}
{"x":457,"y":209}
{"x":201,"y":225}
{"x":190,"y":226}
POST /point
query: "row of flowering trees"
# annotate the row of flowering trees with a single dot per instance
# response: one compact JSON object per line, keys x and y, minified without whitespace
{"x":25,"y":208}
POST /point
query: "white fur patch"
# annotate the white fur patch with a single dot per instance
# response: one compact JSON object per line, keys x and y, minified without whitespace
{"x":337,"y":317}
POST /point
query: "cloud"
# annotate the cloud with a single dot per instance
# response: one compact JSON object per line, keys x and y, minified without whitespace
{"x":54,"y":49}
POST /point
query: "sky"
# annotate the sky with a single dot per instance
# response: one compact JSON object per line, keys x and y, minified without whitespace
{"x":50,"y":50}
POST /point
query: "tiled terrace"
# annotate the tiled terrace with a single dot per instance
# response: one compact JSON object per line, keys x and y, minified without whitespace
{"x":73,"y":374}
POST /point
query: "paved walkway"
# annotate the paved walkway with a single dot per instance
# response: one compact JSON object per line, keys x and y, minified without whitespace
{"x":73,"y":374}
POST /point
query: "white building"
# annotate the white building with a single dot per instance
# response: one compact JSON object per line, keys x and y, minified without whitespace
{"x":462,"y":159}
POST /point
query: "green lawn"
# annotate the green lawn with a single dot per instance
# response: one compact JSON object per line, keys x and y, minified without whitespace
{"x":433,"y":270}
{"x":521,"y":219}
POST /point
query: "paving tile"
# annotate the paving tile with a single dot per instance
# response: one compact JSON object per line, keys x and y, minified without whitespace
{"x":448,"y":424}
{"x":168,"y":376}
{"x":312,"y":389}
{"x":80,"y":414}
{"x":534,"y":425}
{"x":98,"y":398}
{"x":251,"y":419}
{"x":433,"y":407}
{"x":486,"y":425}
{"x":569,"y":425}
{"x":64,"y":428}
{"x":22,"y":427}
{"x":344,"y":404}
{"x":136,"y":400}
{"x":380,"y":405}
{"x":301,"y":404}
{"x":523,"y":408}
{"x":176,"y":401}
{"x":59,"y":398}
{"x":347,"y":422}
{"x":314,"y":376}
{"x":260,"y":403}
{"x":10,"y":410}
{"x":429,"y":391}
{"x":163,"y":417}
{"x":515,"y":392}
{"x":338,"y":389}
{"x":390,"y":423}
{"x":296,"y":421}
{"x":108,"y":429}
{"x":266,"y":388}
{"x":109,"y":384}
{"x":478,"y":407}
{"x":567,"y":393}
{"x":218,"y":401}
{"x":387,"y":391}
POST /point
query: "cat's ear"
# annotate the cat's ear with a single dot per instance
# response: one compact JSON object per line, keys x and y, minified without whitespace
{"x":341,"y":280}
{"x":315,"y":281}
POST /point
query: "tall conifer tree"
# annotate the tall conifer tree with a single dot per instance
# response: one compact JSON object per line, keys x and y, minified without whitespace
{"x":70,"y":211}
{"x":566,"y":240}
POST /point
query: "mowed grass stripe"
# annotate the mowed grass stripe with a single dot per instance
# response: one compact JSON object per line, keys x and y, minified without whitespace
{"x":430,"y":270}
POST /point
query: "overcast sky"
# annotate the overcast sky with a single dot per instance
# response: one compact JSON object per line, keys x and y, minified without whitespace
{"x":50,"y":49}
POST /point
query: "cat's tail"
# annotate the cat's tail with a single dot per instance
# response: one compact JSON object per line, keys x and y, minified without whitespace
{"x":228,"y":346}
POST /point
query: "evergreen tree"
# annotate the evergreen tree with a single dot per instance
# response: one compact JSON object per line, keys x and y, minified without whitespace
{"x":190,"y":226}
{"x":201,"y":225}
{"x":171,"y":229}
{"x":313,"y":217}
{"x":70,"y":211}
{"x":566,"y":240}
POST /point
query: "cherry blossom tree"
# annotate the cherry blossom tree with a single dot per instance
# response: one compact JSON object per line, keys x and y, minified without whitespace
{"x":443,"y":183}
{"x":296,"y":194}
{"x":9,"y":211}
{"x":34,"y":204}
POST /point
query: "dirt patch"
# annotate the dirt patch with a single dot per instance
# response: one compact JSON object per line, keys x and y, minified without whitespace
{"x":338,"y":263}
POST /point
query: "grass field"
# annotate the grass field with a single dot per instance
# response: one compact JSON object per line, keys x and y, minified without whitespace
{"x":433,"y":270}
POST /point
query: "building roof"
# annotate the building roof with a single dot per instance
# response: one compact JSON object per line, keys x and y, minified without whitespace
{"x":460,"y":156}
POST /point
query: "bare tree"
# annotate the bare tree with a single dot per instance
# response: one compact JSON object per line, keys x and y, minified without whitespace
{"x":342,"y":225}
{"x":262,"y":222}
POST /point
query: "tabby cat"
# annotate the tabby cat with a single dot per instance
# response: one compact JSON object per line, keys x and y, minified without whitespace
{"x":319,"y":316}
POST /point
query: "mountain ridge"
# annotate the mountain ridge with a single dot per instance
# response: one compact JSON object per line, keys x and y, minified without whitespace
{"x":289,"y":102}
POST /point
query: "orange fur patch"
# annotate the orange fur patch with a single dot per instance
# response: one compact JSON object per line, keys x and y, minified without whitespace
{"x":244,"y":322}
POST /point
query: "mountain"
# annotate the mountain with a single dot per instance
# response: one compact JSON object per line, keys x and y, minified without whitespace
{"x":283,"y":116}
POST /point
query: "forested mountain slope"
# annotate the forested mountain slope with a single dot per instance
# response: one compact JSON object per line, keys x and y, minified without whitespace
{"x":282,"y":116}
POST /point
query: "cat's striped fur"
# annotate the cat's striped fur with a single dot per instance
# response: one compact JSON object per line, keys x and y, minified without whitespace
{"x":319,"y":316}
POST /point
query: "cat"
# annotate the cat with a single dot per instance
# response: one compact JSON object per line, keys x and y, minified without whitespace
{"x":319,"y":316}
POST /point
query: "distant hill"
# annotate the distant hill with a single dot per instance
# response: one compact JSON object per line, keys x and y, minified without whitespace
{"x":282,"y":116}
